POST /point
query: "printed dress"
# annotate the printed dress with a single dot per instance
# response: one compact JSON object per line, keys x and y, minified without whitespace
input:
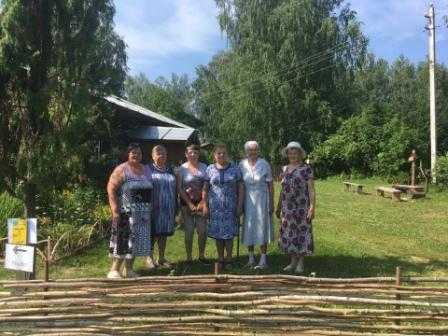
{"x":296,"y":235}
{"x":191,"y":183}
{"x":222,"y":201}
{"x":258,"y":228}
{"x":164,"y":201}
{"x":131,"y":233}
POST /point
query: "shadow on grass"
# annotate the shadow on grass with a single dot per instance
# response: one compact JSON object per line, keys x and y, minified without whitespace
{"x":343,"y":266}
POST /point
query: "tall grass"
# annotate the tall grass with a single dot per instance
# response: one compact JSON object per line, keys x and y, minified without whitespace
{"x":10,"y":207}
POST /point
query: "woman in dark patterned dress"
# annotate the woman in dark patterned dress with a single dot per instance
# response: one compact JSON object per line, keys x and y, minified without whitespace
{"x":130,"y":194}
{"x":296,"y":208}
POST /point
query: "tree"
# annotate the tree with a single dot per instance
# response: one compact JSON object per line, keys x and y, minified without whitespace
{"x":287,"y":75}
{"x":172,"y":98}
{"x":56,"y":59}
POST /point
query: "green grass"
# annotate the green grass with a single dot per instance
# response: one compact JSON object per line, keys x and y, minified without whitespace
{"x":355,"y":236}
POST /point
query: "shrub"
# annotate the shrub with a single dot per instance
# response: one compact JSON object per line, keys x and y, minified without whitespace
{"x":442,"y":172}
{"x":10,"y":207}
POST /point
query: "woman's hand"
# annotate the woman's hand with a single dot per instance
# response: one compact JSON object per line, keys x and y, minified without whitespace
{"x":310,"y":214}
{"x":240,"y":210}
{"x":115,"y":217}
{"x":205,"y":211}
{"x":278,"y":212}
{"x":192,"y":207}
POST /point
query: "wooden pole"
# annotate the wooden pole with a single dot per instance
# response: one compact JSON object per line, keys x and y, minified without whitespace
{"x":398,"y":284}
{"x":217,"y":267}
{"x":432,"y":89}
{"x":47,"y":260}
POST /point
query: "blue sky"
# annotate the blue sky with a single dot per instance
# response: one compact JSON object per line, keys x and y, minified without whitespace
{"x":166,"y":36}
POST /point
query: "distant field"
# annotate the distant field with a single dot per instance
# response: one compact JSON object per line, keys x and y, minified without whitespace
{"x":355,"y":236}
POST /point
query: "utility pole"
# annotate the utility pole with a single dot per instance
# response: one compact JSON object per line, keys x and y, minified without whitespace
{"x":432,"y":88}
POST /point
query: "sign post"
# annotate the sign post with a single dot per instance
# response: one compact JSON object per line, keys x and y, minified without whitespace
{"x":20,"y":253}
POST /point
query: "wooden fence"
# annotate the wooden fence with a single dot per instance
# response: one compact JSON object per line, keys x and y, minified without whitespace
{"x":226,"y":305}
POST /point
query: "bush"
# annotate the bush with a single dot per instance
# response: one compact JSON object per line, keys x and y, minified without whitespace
{"x":362,"y":147}
{"x":75,"y":217}
{"x":442,"y":172}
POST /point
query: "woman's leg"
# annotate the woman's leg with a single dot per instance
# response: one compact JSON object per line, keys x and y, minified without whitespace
{"x":263,"y":259}
{"x":250,"y":250}
{"x":220,"y":249}
{"x":300,"y":264}
{"x":188,"y":233}
{"x":162,"y":246}
{"x":229,"y":249}
{"x":150,"y":263}
{"x":128,"y":271}
{"x":201,"y":228}
{"x":293,"y":264}
{"x":115,"y":267}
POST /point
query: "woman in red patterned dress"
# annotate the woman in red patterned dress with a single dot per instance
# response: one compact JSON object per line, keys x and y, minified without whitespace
{"x":296,"y":208}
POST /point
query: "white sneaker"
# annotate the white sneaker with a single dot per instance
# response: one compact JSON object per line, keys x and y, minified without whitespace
{"x":299,"y":269}
{"x":261,"y":265}
{"x":289,"y":268}
{"x":113,"y":275}
{"x":150,"y":265}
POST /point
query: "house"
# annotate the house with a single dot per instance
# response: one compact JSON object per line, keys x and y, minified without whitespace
{"x":150,"y":129}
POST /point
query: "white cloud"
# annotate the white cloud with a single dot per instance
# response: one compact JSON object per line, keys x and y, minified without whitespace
{"x":185,"y":26}
{"x":396,"y":20}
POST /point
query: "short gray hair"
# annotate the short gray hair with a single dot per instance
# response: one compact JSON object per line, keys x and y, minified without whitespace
{"x":251,"y":143}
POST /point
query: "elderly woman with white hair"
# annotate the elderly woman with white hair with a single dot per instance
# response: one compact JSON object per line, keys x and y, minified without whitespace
{"x":258,"y":203}
{"x":296,"y":207}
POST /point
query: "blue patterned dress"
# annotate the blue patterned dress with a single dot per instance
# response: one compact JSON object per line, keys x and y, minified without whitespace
{"x":164,"y":201}
{"x":222,"y":201}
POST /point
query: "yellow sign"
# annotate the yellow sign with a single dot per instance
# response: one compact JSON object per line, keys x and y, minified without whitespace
{"x":19,"y":232}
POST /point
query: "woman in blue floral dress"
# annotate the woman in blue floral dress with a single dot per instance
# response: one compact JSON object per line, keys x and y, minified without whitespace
{"x":225,"y":192}
{"x":164,"y":203}
{"x":296,"y":208}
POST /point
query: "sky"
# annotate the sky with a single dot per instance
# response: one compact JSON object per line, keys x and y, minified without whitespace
{"x":175,"y":36}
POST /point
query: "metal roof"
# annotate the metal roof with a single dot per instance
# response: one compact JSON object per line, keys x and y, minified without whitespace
{"x":143,"y":111}
{"x":161,"y":133}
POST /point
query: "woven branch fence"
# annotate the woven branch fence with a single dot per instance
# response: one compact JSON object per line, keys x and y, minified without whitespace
{"x":226,"y":305}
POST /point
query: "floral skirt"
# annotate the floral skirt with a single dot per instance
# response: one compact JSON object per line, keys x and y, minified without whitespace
{"x":296,"y":237}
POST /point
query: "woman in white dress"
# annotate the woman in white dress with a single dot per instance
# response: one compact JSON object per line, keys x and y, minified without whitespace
{"x":258,"y":203}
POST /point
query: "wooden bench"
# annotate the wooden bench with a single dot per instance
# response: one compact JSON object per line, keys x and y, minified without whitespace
{"x":349,"y":185}
{"x":395,"y":193}
{"x":414,"y":191}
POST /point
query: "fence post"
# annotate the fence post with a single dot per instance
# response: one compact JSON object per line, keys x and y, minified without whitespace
{"x":217,"y":268}
{"x":398,"y":285}
{"x":47,"y":260}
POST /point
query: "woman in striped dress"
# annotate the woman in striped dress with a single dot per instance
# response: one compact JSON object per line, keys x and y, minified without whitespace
{"x":164,"y":204}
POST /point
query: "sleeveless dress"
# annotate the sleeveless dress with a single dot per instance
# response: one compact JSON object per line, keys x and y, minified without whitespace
{"x":258,"y":228}
{"x":296,"y":232}
{"x":164,"y":201}
{"x":131,"y":234}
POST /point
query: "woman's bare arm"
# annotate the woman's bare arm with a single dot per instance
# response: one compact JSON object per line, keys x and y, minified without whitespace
{"x":115,"y":181}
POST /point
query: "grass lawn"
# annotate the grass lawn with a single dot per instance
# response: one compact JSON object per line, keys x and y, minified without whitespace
{"x":355,"y":236}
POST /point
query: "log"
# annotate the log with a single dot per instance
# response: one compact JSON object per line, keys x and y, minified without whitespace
{"x":40,"y":318}
{"x":45,"y":303}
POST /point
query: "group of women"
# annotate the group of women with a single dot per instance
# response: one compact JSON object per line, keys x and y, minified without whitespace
{"x":145,"y":199}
